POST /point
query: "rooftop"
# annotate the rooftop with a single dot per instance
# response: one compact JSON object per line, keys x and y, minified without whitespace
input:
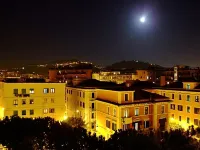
{"x":21,"y":80}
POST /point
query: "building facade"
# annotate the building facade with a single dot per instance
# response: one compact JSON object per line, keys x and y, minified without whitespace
{"x":105,"y":111}
{"x":185,"y":106}
{"x":32,"y":100}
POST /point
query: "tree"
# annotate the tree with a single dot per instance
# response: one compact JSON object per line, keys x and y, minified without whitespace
{"x":75,"y":122}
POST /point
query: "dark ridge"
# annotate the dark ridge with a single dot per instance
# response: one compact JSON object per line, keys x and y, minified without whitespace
{"x":177,"y":84}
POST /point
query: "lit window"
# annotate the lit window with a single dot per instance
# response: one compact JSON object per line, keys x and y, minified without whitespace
{"x":15,"y":102}
{"x":188,"y":86}
{"x":15,"y":113}
{"x":31,"y":101}
{"x":45,"y":90}
{"x":126,"y":113}
{"x":23,"y":112}
{"x":162,"y":109}
{"x":45,"y":111}
{"x":52,"y":90}
{"x":23,"y":101}
{"x":146,"y":110}
{"x":136,"y":111}
{"x":31,"y":112}
{"x":31,"y":91}
{"x":51,"y":110}
{"x":196,"y":98}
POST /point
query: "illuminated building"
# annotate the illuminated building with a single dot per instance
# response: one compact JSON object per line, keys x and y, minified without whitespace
{"x":107,"y":108}
{"x":32,"y":99}
{"x":118,"y":77}
{"x":185,"y":105}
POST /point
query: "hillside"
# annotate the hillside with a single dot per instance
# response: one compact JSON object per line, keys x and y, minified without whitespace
{"x":133,"y":65}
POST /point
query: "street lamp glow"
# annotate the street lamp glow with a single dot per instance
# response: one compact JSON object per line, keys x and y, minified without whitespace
{"x":142,"y":19}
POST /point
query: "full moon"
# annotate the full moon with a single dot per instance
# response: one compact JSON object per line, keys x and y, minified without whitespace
{"x":142,"y":19}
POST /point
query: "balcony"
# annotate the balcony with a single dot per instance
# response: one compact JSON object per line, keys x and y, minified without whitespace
{"x":22,"y":95}
{"x":127,"y":120}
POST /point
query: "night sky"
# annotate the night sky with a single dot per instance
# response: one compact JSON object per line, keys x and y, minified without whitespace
{"x":101,"y":31}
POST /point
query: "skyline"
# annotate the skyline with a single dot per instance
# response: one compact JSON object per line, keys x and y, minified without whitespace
{"x":101,"y":32}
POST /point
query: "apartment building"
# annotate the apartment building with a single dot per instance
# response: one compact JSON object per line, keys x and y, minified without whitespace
{"x":185,"y":106}
{"x":31,"y":99}
{"x":107,"y":109}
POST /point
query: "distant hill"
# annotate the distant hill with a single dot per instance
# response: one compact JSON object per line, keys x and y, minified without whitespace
{"x":133,"y":65}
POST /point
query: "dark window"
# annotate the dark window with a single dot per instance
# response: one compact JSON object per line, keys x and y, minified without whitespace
{"x":31,"y":112}
{"x":92,"y":115}
{"x":196,"y":110}
{"x":172,"y":96}
{"x":179,"y":96}
{"x":92,"y":125}
{"x":51,"y":110}
{"x":146,"y":124}
{"x":196,"y":122}
{"x":23,"y":112}
{"x":92,"y":105}
{"x":23,"y":91}
{"x":188,"y":97}
{"x":31,"y":101}
{"x":196,"y":98}
{"x":83,"y":105}
{"x":173,"y":106}
{"x":92,"y":95}
{"x":80,"y":104}
{"x":114,"y":126}
{"x":15,"y":91}
{"x":188,"y":109}
{"x":107,"y":123}
{"x":23,"y":102}
{"x":180,"y":108}
{"x":146,"y":111}
{"x":188,"y":120}
{"x":162,"y":109}
{"x":15,"y":113}
{"x":126,"y":97}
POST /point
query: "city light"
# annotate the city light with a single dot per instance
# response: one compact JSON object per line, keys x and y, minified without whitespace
{"x":143,"y":19}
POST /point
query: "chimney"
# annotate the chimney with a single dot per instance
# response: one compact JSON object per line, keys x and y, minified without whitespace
{"x":162,"y":81}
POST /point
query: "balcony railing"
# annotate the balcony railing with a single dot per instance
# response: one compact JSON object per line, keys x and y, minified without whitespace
{"x":22,"y":95}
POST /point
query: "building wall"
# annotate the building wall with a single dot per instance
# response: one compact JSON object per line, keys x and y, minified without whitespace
{"x":40,"y":102}
{"x":183,"y":101}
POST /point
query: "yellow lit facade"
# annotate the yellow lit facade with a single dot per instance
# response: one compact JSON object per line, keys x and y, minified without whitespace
{"x":105,"y":111}
{"x":185,"y":106}
{"x":32,"y":100}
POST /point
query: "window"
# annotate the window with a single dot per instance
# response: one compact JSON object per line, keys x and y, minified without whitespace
{"x":52,"y":100}
{"x":23,"y":112}
{"x":179,"y":118}
{"x":31,"y":101}
{"x":23,"y":101}
{"x":188,"y":109}
{"x":51,"y":110}
{"x":172,"y":96}
{"x":146,"y":124}
{"x":136,"y":111}
{"x":92,"y":115}
{"x":196,"y":98}
{"x":15,"y":102}
{"x":179,"y":96}
{"x":162,"y":109}
{"x":15,"y":91}
{"x":45,"y":90}
{"x":92,"y":106}
{"x":173,"y":116}
{"x":126,"y":97}
{"x":31,"y":112}
{"x":92,"y":95}
{"x":163,"y":94}
{"x":15,"y":113}
{"x":83,"y":94}
{"x":107,"y":123}
{"x":196,"y":110}
{"x":31,"y":91}
{"x":126,"y":113}
{"x":83,"y":105}
{"x":188,"y":97}
{"x":52,"y":90}
{"x":80,"y":94}
{"x":188,"y":120}
{"x":188,"y":86}
{"x":80,"y":104}
{"x":114,"y":126}
{"x":146,"y":110}
{"x":108,"y":110}
{"x":114,"y":112}
{"x":196,"y":122}
{"x":45,"y":111}
{"x":180,"y":108}
{"x":23,"y":91}
{"x":172,"y":106}
{"x":92,"y":125}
